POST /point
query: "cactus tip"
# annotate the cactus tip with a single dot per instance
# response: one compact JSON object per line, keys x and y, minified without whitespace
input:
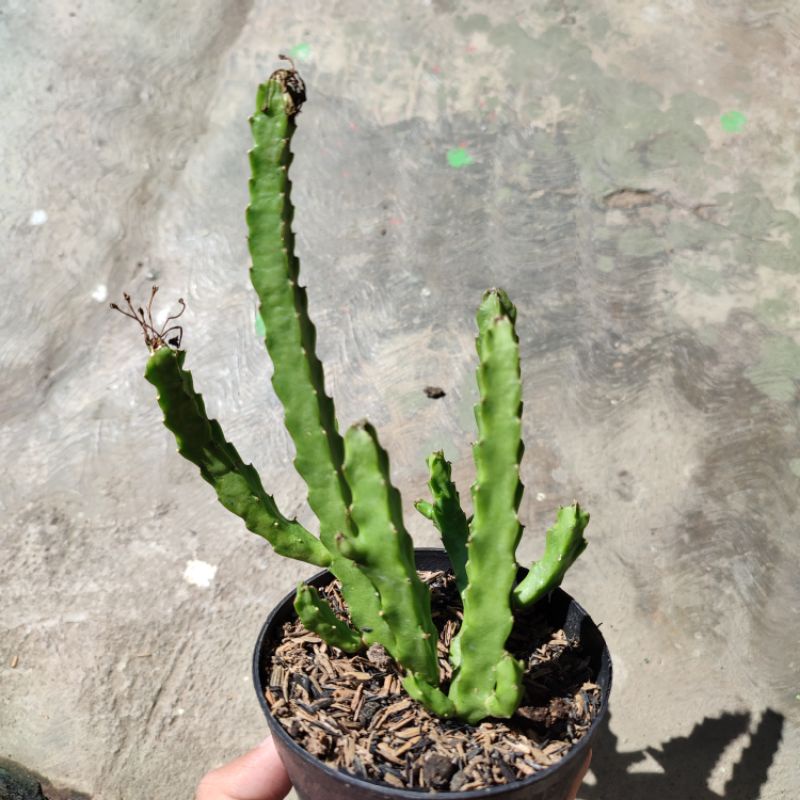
{"x":292,"y":86}
{"x":154,"y":338}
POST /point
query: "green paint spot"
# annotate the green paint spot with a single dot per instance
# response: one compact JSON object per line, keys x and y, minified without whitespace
{"x":640,"y":241}
{"x":733,"y":121}
{"x":261,"y":329}
{"x":699,"y":276}
{"x":775,"y":311}
{"x":458,"y":157}
{"x":794,"y":466}
{"x":778,"y":369}
{"x":605,"y":263}
{"x":708,"y":336}
{"x":302,"y":51}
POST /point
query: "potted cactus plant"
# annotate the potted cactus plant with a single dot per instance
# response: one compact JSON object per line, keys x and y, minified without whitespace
{"x":379,"y":604}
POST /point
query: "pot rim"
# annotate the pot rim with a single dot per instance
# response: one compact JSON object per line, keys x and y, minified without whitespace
{"x":576,"y":752}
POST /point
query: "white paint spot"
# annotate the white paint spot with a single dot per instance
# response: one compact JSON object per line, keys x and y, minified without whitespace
{"x":651,"y":14}
{"x":100,"y":293}
{"x":37,"y":217}
{"x":199,"y":573}
{"x":426,"y":292}
{"x":541,"y":496}
{"x":179,"y":712}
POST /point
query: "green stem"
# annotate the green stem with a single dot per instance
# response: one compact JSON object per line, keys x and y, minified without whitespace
{"x":563,"y":544}
{"x":298,"y":377}
{"x":201,"y":441}
{"x":487,"y":679}
{"x":447,"y":515}
{"x":384,"y":551}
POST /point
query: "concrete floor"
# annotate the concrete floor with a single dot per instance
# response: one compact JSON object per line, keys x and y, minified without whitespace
{"x":627,"y":170}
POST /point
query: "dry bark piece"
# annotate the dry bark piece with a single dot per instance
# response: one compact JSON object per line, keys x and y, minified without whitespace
{"x":437,"y":770}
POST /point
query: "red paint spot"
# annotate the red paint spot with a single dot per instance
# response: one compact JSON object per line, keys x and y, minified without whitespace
{"x":395,"y":220}
{"x":472,"y":48}
{"x":436,"y":69}
{"x":353,"y":126}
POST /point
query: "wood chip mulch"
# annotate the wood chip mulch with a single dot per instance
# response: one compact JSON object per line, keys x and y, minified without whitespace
{"x":352,"y":713}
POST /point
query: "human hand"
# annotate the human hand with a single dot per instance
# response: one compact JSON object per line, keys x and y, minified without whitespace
{"x":576,"y":784}
{"x":257,"y":775}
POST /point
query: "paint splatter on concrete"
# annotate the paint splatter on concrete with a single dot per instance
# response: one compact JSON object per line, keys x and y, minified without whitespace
{"x":199,"y":573}
{"x":302,"y":51}
{"x":778,"y":370}
{"x":733,"y":121}
{"x":458,"y":157}
{"x":37,"y":217}
{"x":100,"y":293}
{"x":605,"y":263}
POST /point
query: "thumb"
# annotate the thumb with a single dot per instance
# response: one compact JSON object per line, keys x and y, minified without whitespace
{"x":576,"y":784}
{"x":257,"y":775}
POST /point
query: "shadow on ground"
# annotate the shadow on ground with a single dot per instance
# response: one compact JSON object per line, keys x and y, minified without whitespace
{"x":18,"y":783}
{"x":688,"y":762}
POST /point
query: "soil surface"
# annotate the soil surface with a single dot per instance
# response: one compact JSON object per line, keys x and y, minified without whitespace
{"x":352,"y":713}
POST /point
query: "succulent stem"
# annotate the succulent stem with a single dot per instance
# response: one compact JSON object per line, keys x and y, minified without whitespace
{"x":487,"y":678}
{"x":447,"y":515}
{"x":385,"y":553}
{"x":317,"y":615}
{"x":201,"y":441}
{"x":563,"y":544}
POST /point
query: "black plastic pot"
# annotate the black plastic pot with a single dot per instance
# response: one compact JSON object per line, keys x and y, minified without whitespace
{"x":314,"y":780}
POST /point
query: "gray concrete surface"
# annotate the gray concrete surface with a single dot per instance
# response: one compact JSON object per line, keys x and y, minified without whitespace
{"x":627,"y":170}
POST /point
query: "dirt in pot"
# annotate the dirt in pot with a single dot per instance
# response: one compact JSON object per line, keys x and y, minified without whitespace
{"x":352,"y":713}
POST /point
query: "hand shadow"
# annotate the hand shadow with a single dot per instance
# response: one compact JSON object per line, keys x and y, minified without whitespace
{"x":687,"y":762}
